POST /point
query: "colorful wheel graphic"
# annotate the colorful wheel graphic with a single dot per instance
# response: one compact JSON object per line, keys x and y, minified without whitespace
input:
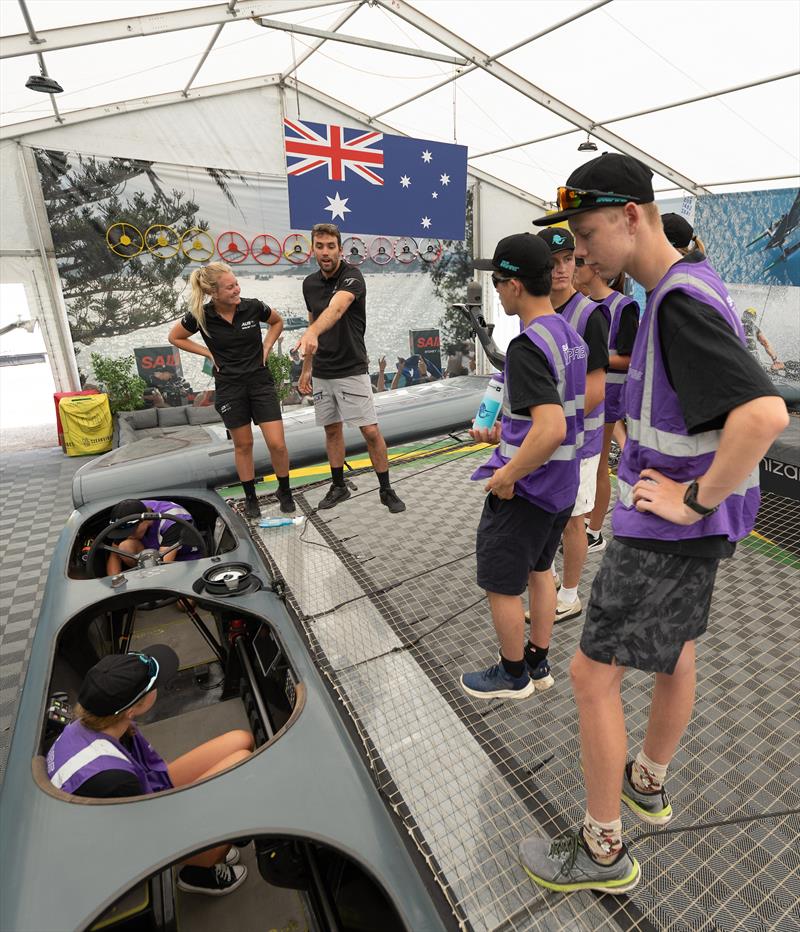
{"x":124,"y":240}
{"x":354,"y":250}
{"x":232,"y":247}
{"x":162,"y":241}
{"x":381,"y":251}
{"x":406,"y":249}
{"x":197,"y":245}
{"x":430,"y":250}
{"x":297,"y":248}
{"x":265,"y":249}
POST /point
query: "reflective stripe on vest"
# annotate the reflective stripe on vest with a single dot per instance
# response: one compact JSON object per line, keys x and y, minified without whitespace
{"x":99,"y":748}
{"x":615,"y":378}
{"x":626,"y":489}
{"x":565,"y":452}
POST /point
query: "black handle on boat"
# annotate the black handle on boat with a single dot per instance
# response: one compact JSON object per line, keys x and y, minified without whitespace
{"x":241,"y":649}
{"x":493,"y":353}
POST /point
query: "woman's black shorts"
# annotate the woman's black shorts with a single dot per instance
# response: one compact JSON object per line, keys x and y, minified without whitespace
{"x":249,"y":398}
{"x":645,"y":606}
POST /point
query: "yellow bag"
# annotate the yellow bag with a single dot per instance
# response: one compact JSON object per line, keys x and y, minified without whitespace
{"x":87,"y":424}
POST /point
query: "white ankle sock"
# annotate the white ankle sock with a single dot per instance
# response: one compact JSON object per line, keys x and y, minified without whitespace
{"x":603,"y":839}
{"x":568,"y":595}
{"x":647,"y":775}
{"x":592,"y":531}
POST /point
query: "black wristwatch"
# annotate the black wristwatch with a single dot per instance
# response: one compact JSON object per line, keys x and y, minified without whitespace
{"x":690,"y":500}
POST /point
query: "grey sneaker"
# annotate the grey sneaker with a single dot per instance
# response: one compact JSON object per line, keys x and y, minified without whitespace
{"x":564,"y":864}
{"x":334,"y":495}
{"x":653,"y":807}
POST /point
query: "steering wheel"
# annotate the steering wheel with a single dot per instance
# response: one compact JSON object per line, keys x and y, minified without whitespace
{"x":145,"y":557}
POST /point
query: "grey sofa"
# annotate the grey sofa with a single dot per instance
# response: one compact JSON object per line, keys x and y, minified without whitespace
{"x":159,"y":422}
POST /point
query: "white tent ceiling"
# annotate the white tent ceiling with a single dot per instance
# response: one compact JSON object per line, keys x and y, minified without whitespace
{"x":621,"y":57}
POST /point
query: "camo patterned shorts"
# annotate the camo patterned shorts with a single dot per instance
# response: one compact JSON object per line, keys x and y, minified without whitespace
{"x":645,"y":606}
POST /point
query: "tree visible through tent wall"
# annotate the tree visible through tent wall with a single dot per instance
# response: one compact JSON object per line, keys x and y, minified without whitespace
{"x":450,"y":277}
{"x":107,"y":295}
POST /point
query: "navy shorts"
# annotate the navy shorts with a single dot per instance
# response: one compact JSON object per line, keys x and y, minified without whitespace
{"x":515,"y":538}
{"x":645,"y":606}
{"x":251,"y":398}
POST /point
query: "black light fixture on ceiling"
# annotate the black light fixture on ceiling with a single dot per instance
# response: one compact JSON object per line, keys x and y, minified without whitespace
{"x":587,"y":145}
{"x":44,"y":83}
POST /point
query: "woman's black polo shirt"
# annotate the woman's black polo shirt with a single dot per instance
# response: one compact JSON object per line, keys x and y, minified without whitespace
{"x":342,"y":351}
{"x":237,"y":347}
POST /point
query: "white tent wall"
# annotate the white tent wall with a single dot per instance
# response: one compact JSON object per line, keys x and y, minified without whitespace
{"x":240,"y":130}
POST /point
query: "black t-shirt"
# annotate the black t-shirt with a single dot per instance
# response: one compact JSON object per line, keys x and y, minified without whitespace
{"x":595,"y":337}
{"x":712,"y":373}
{"x":628,"y":328}
{"x":111,"y":784}
{"x":342,"y":351}
{"x":530,"y":381}
{"x":237,"y":346}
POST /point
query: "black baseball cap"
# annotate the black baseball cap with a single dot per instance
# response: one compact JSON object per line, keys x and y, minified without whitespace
{"x":610,"y":180}
{"x":557,"y":239}
{"x":677,"y":229}
{"x":520,"y":255}
{"x":119,"y":681}
{"x":130,"y":506}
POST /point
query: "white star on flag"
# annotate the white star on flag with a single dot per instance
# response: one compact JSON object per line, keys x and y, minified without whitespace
{"x":445,"y":179}
{"x":336,"y":205}
{"x":426,"y":156}
{"x":434,"y":194}
{"x":426,"y":222}
{"x":405,"y":181}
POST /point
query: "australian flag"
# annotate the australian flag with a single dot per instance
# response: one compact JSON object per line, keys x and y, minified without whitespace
{"x":374,"y":183}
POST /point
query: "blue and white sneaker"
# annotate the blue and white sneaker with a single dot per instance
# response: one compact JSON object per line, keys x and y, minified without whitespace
{"x":496,"y":683}
{"x":540,"y":675}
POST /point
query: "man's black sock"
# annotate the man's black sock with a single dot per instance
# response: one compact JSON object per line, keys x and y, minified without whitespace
{"x":383,"y":478}
{"x":249,"y":486}
{"x":535,"y":655}
{"x":283,"y":484}
{"x":337,"y":474}
{"x":514,"y":668}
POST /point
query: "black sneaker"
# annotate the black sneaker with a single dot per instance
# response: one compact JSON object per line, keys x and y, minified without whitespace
{"x":334,"y":495}
{"x":286,"y":502}
{"x":251,"y":508}
{"x":219,"y":880}
{"x":392,"y":502}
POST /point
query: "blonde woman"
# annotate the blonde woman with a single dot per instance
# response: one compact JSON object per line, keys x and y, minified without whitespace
{"x":245,"y":391}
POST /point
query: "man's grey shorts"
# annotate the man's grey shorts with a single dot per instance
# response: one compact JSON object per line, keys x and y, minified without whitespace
{"x":348,"y":399}
{"x":645,"y":606}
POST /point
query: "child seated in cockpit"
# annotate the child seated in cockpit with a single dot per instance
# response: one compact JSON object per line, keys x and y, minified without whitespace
{"x":102,"y":754}
{"x":136,"y":535}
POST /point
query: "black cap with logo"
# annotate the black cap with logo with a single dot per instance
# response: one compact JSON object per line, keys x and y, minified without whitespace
{"x":119,"y":681}
{"x":678,"y":230}
{"x":610,"y":180}
{"x":130,"y":506}
{"x":521,"y":255}
{"x":557,"y":239}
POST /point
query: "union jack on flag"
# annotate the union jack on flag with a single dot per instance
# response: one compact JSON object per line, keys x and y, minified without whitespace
{"x":335,"y":148}
{"x":371,"y":182}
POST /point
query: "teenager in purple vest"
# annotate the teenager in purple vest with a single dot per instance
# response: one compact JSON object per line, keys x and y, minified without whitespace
{"x":532,"y":475}
{"x":623,"y":327}
{"x":102,"y":754}
{"x":160,"y":534}
{"x":591,"y":320}
{"x":700,"y":416}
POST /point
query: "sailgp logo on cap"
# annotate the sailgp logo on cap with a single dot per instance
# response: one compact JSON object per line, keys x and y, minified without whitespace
{"x":505,"y":264}
{"x":558,"y":239}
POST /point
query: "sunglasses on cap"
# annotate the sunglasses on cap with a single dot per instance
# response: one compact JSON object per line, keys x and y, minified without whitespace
{"x":152,"y":669}
{"x":572,"y":198}
{"x":499,"y":279}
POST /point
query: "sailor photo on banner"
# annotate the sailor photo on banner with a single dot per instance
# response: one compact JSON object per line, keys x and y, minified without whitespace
{"x":370,"y":182}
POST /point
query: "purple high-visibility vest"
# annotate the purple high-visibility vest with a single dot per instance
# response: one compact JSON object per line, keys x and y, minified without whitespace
{"x":657,"y":434}
{"x":615,"y":380}
{"x":154,"y":535}
{"x":577,"y":312}
{"x":80,"y":753}
{"x":554,"y":485}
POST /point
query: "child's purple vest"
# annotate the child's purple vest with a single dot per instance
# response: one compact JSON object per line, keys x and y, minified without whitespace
{"x":155,"y":533}
{"x":577,"y":312}
{"x":615,"y":380}
{"x":657,"y":434}
{"x":80,"y":753}
{"x":554,"y":485}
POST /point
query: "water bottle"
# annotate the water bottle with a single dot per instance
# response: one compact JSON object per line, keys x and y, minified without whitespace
{"x":491,"y":404}
{"x":281,"y":522}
